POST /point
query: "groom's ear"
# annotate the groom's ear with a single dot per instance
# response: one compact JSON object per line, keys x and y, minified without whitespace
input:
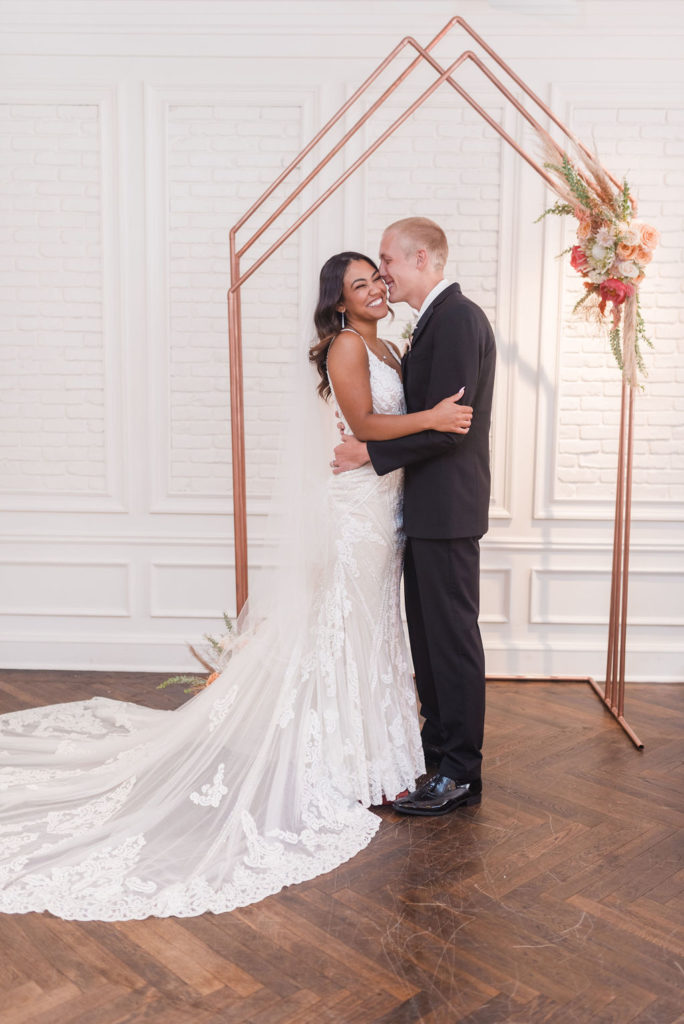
{"x":422,"y":258}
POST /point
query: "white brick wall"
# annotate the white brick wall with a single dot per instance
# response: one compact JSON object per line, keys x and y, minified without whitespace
{"x":52,"y":389}
{"x":132,"y":141}
{"x":221,"y":158}
{"x":445,"y":163}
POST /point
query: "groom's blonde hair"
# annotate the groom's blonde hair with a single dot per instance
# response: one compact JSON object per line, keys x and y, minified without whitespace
{"x":421,"y":233}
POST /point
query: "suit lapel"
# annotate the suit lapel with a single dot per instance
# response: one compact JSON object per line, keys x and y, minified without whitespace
{"x":420,"y":326}
{"x":424,"y":320}
{"x":417,"y":331}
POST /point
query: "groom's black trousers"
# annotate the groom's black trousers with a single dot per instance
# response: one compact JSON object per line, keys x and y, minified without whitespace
{"x":442,"y":595}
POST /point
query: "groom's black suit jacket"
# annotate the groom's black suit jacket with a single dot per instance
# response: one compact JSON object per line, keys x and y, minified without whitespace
{"x":447,"y":479}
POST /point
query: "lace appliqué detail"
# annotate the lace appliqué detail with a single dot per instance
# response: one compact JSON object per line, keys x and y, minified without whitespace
{"x":73,"y":719}
{"x":90,"y":815}
{"x":212,"y":792}
{"x":220,"y":708}
{"x":97,"y":880}
{"x":10,"y":844}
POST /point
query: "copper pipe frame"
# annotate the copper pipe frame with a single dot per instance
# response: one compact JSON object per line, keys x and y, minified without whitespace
{"x":616,"y":572}
{"x":613,"y":694}
{"x":501,"y":678}
{"x":238,"y":279}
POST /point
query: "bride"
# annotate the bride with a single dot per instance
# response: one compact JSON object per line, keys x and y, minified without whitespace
{"x":113,"y":811}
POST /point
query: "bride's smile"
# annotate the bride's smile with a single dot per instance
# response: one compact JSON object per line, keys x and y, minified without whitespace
{"x":365,"y":295}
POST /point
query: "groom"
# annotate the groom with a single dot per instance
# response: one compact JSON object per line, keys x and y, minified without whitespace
{"x":446,"y":504}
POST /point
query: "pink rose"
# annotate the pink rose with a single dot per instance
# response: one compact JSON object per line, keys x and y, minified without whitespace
{"x":612,"y":290}
{"x":578,"y":259}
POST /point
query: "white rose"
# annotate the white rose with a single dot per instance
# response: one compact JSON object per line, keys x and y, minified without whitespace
{"x":601,"y":255}
{"x":628,"y":269}
{"x":629,"y":236}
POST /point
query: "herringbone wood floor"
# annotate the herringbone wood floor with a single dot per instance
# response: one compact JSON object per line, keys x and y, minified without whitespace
{"x":558,"y":900}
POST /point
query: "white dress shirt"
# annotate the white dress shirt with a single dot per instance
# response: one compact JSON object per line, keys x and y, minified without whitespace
{"x":432,"y":295}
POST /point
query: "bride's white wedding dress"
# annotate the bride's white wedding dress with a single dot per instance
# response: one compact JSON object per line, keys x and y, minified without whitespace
{"x":112,"y":811}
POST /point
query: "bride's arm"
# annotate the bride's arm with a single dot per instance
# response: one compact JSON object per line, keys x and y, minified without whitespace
{"x":348,"y":371}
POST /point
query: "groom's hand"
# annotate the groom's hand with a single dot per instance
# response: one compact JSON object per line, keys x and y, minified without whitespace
{"x":349,"y":454}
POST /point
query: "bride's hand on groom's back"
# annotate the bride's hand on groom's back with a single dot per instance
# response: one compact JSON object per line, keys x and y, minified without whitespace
{"x":451,"y":418}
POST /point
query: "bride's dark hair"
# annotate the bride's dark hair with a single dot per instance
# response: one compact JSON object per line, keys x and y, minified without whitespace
{"x":327,"y":319}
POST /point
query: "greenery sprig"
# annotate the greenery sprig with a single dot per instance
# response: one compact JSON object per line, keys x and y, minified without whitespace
{"x":214,"y":657}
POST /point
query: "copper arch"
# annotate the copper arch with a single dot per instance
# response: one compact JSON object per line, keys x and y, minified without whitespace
{"x":613,"y":695}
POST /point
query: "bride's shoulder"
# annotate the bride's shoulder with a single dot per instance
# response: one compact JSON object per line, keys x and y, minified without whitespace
{"x":348,"y":333}
{"x":347,"y":341}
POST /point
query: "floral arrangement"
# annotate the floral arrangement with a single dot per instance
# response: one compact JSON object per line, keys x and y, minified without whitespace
{"x":611,"y":253}
{"x":213,"y":656}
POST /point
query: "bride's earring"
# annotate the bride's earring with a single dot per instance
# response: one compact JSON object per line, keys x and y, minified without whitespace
{"x":342,"y":315}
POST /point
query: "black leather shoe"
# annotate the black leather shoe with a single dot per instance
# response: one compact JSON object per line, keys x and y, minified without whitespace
{"x":439,"y":795}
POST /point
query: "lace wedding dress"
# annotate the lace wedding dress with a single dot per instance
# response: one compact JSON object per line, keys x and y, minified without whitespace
{"x":113,"y":811}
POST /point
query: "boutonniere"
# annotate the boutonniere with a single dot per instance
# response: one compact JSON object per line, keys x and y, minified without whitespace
{"x":409,"y":328}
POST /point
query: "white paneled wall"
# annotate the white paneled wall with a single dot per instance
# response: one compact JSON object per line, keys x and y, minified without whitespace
{"x":135,"y":134}
{"x":54,"y":413}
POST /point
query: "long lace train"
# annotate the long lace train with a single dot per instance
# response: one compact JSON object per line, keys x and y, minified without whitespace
{"x":112,"y":811}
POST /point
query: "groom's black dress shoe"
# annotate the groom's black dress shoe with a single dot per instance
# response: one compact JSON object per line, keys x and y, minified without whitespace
{"x":439,"y":795}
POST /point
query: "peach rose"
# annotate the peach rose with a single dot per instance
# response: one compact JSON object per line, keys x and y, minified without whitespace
{"x":625,"y":251}
{"x":649,"y":236}
{"x":643,"y":255}
{"x":583,"y":229}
